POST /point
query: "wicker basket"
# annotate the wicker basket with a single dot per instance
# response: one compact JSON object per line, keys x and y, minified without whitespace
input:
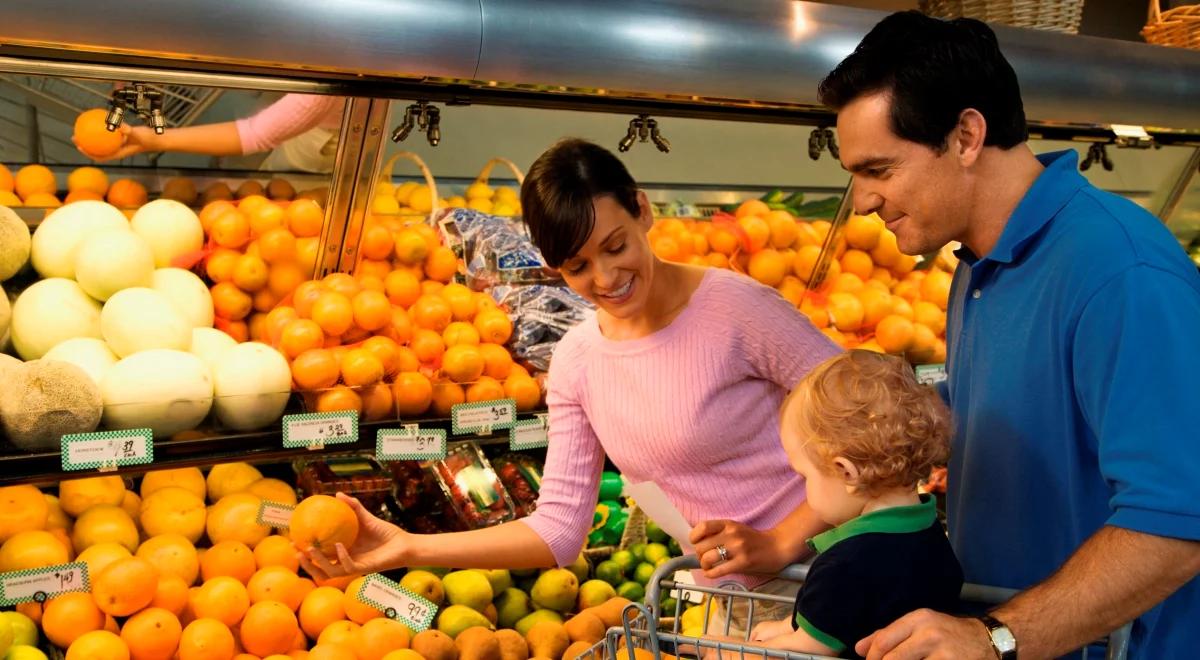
{"x":1179,"y":27}
{"x":1053,"y":15}
{"x":386,"y":174}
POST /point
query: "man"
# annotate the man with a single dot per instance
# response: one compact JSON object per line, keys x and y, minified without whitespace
{"x":1073,"y":325}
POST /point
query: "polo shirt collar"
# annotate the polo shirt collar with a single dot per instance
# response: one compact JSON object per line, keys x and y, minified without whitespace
{"x":1049,"y":193}
{"x":893,"y":520}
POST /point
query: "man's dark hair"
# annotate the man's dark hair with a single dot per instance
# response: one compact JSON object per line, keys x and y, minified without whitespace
{"x":558,"y":193}
{"x":933,"y":69}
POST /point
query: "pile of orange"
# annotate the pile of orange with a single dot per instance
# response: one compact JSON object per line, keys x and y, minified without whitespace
{"x":872,"y":296}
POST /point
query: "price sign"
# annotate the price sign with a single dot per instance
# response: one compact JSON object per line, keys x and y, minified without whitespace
{"x":41,"y":584}
{"x":274,"y":514}
{"x":931,"y":374}
{"x":686,"y":579}
{"x":410,"y":443}
{"x":529,"y":434}
{"x":483,"y":417}
{"x":107,"y":450}
{"x":396,"y":602}
{"x":315,"y":430}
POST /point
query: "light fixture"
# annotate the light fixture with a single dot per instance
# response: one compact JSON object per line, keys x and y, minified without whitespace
{"x":644,"y":128}
{"x":143,"y":100}
{"x":819,"y":140}
{"x":422,"y":116}
{"x":1097,"y":153}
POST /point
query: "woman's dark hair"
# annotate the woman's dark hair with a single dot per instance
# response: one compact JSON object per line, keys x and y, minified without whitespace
{"x":933,"y":69}
{"x":557,"y":196}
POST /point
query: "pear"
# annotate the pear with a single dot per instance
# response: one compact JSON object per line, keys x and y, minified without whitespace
{"x":556,"y":589}
{"x":469,"y":588}
{"x":457,"y":618}
{"x":436,"y":570}
{"x":512,"y":645}
{"x":426,"y":585}
{"x":434,"y":645}
{"x":594,"y":593}
{"x":511,"y":606}
{"x":500,"y":579}
{"x":477,"y":644}
{"x":610,"y":612}
{"x":577,"y":649}
{"x":548,"y":639}
{"x":581,"y":568}
{"x":526,"y":624}
{"x":585,"y":627}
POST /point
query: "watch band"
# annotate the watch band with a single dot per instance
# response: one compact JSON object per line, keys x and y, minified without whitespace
{"x":1003,"y":641}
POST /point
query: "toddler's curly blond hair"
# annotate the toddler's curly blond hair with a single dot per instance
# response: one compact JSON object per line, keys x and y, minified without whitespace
{"x":869,"y":409}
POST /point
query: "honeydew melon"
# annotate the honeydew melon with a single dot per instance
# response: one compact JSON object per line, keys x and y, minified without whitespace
{"x":5,"y":313}
{"x":209,"y":344}
{"x":165,"y":390}
{"x":188,"y":293}
{"x":141,"y":319}
{"x":50,"y":312}
{"x":43,"y":400}
{"x":88,"y":353}
{"x":252,"y":383}
{"x":57,"y":240}
{"x":112,"y":260}
{"x":14,"y":243}
{"x":170,"y":228}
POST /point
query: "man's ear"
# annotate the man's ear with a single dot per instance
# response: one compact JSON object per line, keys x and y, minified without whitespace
{"x":848,"y":472}
{"x":968,"y":137}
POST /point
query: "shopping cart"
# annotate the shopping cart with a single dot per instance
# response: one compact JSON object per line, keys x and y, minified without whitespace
{"x":636,"y":639}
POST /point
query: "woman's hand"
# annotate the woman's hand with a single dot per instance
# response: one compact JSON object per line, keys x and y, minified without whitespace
{"x":138,"y":139}
{"x":747,"y":550}
{"x":380,"y":546}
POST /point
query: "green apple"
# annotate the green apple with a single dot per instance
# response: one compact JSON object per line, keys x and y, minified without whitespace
{"x":25,"y":632}
{"x":633,"y":591}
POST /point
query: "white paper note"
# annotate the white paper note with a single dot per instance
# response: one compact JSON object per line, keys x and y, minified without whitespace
{"x":653,"y":501}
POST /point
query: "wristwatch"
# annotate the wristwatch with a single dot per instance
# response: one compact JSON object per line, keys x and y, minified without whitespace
{"x":1003,"y":641}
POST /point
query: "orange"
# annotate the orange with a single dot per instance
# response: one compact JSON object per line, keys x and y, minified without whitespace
{"x":463,"y":363}
{"x":277,"y":319}
{"x":6,"y":179}
{"x":305,"y":296}
{"x":431,"y":287}
{"x":387,"y":351}
{"x":152,"y":634}
{"x":353,"y":336}
{"x":407,"y":359}
{"x":379,"y":636}
{"x":222,"y":598}
{"x":99,"y":556}
{"x":410,"y":247}
{"x":220,"y":264}
{"x":190,"y":479}
{"x":806,"y":261}
{"x":206,"y":639}
{"x":428,"y":234}
{"x":230,"y":302}
{"x":125,"y":586}
{"x":22,"y":508}
{"x":494,"y":326}
{"x":376,"y":242}
{"x":427,"y":345}
{"x":361,"y":367}
{"x":333,"y":313}
{"x":339,"y":633}
{"x":171,"y":594}
{"x":268,"y":627}
{"x":338,"y":398}
{"x":331,"y":652}
{"x":88,"y":180}
{"x":228,"y":559}
{"x":399,"y":329}
{"x":723,"y":240}
{"x":757,"y":230}
{"x":862,"y":232}
{"x":894,"y":334}
{"x":273,"y":490}
{"x":844,"y":283}
{"x":356,"y":610}
{"x":284,"y":278}
{"x":924,"y":347}
{"x":886,"y":253}
{"x":930,"y":315}
{"x":239,"y":330}
{"x":252,"y":202}
{"x":670,"y":248}
{"x":275,"y":583}
{"x":901,"y":307}
{"x":42,"y":200}
{"x":321,"y":608}
{"x":316,"y":369}
{"x":276,"y":551}
{"x":858,"y":263}
{"x":210,"y":212}
{"x":463,"y":304}
{"x":257,"y":323}
{"x":460,"y":332}
{"x":98,"y":645}
{"x":377,"y":402}
{"x":935,"y":288}
{"x":172,"y":554}
{"x":73,"y":196}
{"x":716,"y":260}
{"x":768,"y":266}
{"x":250,"y":274}
{"x":783,"y":229}
{"x":876,"y":305}
{"x":485,"y":389}
{"x":432,"y":313}
{"x":230,"y":229}
{"x":372,"y":310}
{"x":846,"y":310}
{"x":300,"y":336}
{"x":412,"y":393}
{"x":446,"y":395}
{"x":78,"y":495}
{"x":321,"y":522}
{"x":343,"y":283}
{"x":371,"y":273}
{"x":497,"y":362}
{"x":92,"y":135}
{"x":277,"y":245}
{"x":233,"y":518}
{"x":305,"y":218}
{"x":264,"y":218}
{"x":126,"y":194}
{"x":32,"y":549}
{"x":70,"y":615}
{"x":441,"y":265}
{"x":751,"y":207}
{"x":524,"y":390}
{"x":306,"y":255}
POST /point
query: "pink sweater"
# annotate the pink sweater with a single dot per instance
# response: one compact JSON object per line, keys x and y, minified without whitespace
{"x":288,"y":117}
{"x":693,"y":407}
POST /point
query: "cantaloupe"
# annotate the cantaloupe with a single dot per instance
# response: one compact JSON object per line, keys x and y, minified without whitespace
{"x":14,"y":243}
{"x":43,"y":400}
{"x":57,"y":240}
{"x":252,"y":383}
{"x":88,"y":353}
{"x":188,"y":293}
{"x":141,"y":319}
{"x":209,"y":343}
{"x":50,"y":312}
{"x":7,"y":364}
{"x":5,"y":313}
{"x":170,"y":228}
{"x":112,"y":260}
{"x":164,"y":390}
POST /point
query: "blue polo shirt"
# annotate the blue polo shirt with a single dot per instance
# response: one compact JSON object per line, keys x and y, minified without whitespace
{"x":1073,"y":368}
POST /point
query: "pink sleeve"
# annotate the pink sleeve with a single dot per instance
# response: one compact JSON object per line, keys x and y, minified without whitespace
{"x":285,"y":119}
{"x":574,"y":460}
{"x":778,"y":341}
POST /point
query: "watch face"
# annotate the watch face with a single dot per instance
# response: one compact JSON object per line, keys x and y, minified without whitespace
{"x":1004,"y":640}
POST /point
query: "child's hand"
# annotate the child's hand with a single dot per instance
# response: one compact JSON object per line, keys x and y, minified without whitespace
{"x":770,"y":630}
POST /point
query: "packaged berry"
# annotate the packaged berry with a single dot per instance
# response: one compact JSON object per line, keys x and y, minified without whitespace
{"x":472,"y":486}
{"x":522,"y":477}
{"x":358,"y":476}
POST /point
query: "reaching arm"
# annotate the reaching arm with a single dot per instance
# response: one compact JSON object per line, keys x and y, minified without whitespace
{"x":209,"y":139}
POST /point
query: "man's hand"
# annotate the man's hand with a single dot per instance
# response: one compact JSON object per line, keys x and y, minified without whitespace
{"x":928,"y":634}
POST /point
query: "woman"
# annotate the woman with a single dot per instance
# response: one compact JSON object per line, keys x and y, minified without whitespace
{"x":678,"y":378}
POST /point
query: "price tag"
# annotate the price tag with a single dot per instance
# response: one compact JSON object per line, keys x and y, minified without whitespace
{"x":686,"y":579}
{"x":931,"y":374}
{"x":483,"y":417}
{"x":396,"y":602}
{"x":410,"y":443}
{"x":41,"y":584}
{"x":107,"y":450}
{"x":529,"y":434}
{"x":274,"y":514}
{"x":315,"y":430}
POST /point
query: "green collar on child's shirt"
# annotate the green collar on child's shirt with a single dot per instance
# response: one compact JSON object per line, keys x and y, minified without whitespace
{"x":893,"y":520}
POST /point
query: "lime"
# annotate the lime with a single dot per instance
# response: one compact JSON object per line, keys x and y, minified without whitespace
{"x":655,"y":533}
{"x":639,"y":551}
{"x":25,"y":632}
{"x":655,"y":551}
{"x":25,"y":653}
{"x":673,"y":546}
{"x":633,"y":591}
{"x":643,"y":573}
{"x":611,"y":572}
{"x":668,"y":605}
{"x":625,"y":559}
{"x":662,"y":561}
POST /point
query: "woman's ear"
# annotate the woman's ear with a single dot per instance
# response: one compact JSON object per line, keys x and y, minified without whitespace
{"x":848,"y":472}
{"x":645,"y":211}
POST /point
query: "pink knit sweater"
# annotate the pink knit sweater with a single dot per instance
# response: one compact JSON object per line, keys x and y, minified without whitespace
{"x":693,"y":407}
{"x":288,"y":117}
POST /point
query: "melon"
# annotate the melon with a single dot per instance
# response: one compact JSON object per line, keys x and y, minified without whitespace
{"x":57,"y":240}
{"x":252,"y":383}
{"x":165,"y":390}
{"x":14,"y":243}
{"x":88,"y":353}
{"x":170,"y":228}
{"x":141,"y":319}
{"x":5,"y":313}
{"x":44,"y":400}
{"x":8,"y":363}
{"x":208,"y":344}
{"x":51,"y":312}
{"x":188,"y":293}
{"x":112,"y":260}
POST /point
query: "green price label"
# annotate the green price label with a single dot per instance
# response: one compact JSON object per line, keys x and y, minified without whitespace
{"x":107,"y":450}
{"x":42,"y":584}
{"x":396,"y":602}
{"x":483,"y":417}
{"x":315,"y":430}
{"x":529,"y":434}
{"x":410,"y":443}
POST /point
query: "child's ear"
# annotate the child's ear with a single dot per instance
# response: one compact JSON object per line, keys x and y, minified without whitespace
{"x":848,"y":472}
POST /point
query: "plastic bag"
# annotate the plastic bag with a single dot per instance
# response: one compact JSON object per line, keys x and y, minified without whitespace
{"x":541,"y":315}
